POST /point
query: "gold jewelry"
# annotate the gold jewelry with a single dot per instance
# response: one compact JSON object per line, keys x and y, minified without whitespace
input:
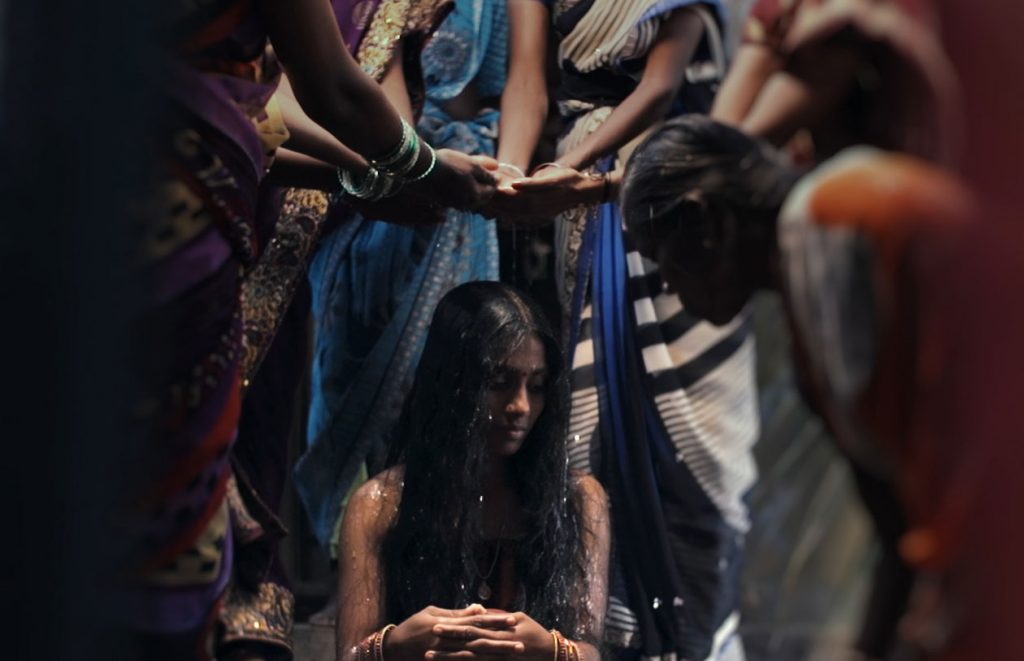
{"x":554,"y":639}
{"x":380,"y":641}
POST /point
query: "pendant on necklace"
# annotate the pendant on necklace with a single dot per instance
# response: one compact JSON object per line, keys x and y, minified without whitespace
{"x":484,"y":591}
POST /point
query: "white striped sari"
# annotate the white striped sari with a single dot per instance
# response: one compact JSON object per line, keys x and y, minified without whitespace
{"x":664,"y":407}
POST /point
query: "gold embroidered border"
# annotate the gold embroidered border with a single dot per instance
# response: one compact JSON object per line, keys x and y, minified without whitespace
{"x":269,"y":286}
{"x":266,"y":616}
{"x":378,"y":45}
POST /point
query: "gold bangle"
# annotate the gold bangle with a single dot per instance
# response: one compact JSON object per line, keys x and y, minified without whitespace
{"x":554,"y":639}
{"x":378,"y":647}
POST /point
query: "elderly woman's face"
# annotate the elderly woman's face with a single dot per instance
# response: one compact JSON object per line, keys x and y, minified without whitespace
{"x":697,"y":260}
{"x":515,"y":397}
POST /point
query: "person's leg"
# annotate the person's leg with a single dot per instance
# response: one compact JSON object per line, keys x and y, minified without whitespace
{"x":892,"y":579}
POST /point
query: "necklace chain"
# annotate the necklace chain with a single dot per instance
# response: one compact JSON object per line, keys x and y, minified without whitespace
{"x":484,"y":590}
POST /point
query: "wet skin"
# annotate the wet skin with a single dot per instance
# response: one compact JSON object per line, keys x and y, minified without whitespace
{"x":515,"y":397}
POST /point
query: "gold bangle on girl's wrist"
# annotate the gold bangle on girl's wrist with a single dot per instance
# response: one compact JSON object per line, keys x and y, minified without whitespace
{"x":380,"y":641}
{"x":565,"y":649}
{"x":372,"y":647}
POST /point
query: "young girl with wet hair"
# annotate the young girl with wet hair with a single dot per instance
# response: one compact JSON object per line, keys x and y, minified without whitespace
{"x":478,"y":539}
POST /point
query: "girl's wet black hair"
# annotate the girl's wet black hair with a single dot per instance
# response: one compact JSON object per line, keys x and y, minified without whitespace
{"x":694,"y":160}
{"x":441,"y":440}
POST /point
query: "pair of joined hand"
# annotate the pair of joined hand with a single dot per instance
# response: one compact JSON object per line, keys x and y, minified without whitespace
{"x":438,"y":634}
{"x":496,"y":190}
{"x":535,"y":199}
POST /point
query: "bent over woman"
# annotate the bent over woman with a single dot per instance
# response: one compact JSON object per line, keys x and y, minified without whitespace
{"x":664,"y":407}
{"x":478,"y":538}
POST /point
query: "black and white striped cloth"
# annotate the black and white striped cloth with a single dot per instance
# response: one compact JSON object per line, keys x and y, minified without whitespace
{"x":701,"y":378}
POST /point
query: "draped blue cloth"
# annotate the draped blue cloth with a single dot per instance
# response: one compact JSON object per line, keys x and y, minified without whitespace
{"x":689,"y":579}
{"x":664,"y":405}
{"x":375,"y":285}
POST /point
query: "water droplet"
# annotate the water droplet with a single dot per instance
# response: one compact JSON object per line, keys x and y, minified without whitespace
{"x":677,"y":601}
{"x":722,"y":564}
{"x":656,"y":603}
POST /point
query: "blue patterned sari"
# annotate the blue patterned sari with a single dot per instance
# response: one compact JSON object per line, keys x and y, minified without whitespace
{"x":375,"y":285}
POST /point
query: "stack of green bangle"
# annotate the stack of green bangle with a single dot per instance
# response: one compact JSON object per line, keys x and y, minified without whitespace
{"x":387,"y":174}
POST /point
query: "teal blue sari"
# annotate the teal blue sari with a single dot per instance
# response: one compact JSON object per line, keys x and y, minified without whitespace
{"x":375,"y":285}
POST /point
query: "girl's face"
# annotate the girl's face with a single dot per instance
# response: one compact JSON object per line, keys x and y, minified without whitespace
{"x":515,"y":397}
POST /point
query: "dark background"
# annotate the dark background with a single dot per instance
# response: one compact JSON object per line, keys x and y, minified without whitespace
{"x":76,"y":108}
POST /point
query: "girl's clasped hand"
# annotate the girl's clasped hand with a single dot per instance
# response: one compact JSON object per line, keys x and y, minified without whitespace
{"x":468,"y":633}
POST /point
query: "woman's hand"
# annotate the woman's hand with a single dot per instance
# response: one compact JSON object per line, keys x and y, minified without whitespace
{"x":547,"y":193}
{"x":459,"y":181}
{"x":528,"y":638}
{"x":479,"y":632}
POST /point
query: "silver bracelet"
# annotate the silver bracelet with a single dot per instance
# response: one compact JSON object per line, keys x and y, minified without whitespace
{"x":402,"y":160}
{"x":430,"y":167}
{"x":375,"y":185}
{"x":514,"y":167}
{"x":397,"y":153}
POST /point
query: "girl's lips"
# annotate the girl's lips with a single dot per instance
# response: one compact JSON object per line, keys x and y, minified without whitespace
{"x":516,"y":431}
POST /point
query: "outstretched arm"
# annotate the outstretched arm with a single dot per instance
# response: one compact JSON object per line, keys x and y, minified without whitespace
{"x":307,"y":137}
{"x":524,"y":103}
{"x":678,"y":38}
{"x":803,"y":94}
{"x":751,"y":69}
{"x":556,"y":189}
{"x":328,"y":82}
{"x":336,"y":94}
{"x":313,"y":152}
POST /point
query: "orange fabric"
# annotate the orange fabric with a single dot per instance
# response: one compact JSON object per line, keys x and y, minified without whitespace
{"x":184,"y":541}
{"x":219,"y":437}
{"x":906,"y":208}
{"x":889,"y":193}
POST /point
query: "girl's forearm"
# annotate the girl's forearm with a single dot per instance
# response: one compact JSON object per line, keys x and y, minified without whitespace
{"x":650,"y":102}
{"x":524,"y":109}
{"x":641,"y":110}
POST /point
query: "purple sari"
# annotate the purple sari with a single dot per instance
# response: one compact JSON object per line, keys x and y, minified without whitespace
{"x":192,"y":252}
